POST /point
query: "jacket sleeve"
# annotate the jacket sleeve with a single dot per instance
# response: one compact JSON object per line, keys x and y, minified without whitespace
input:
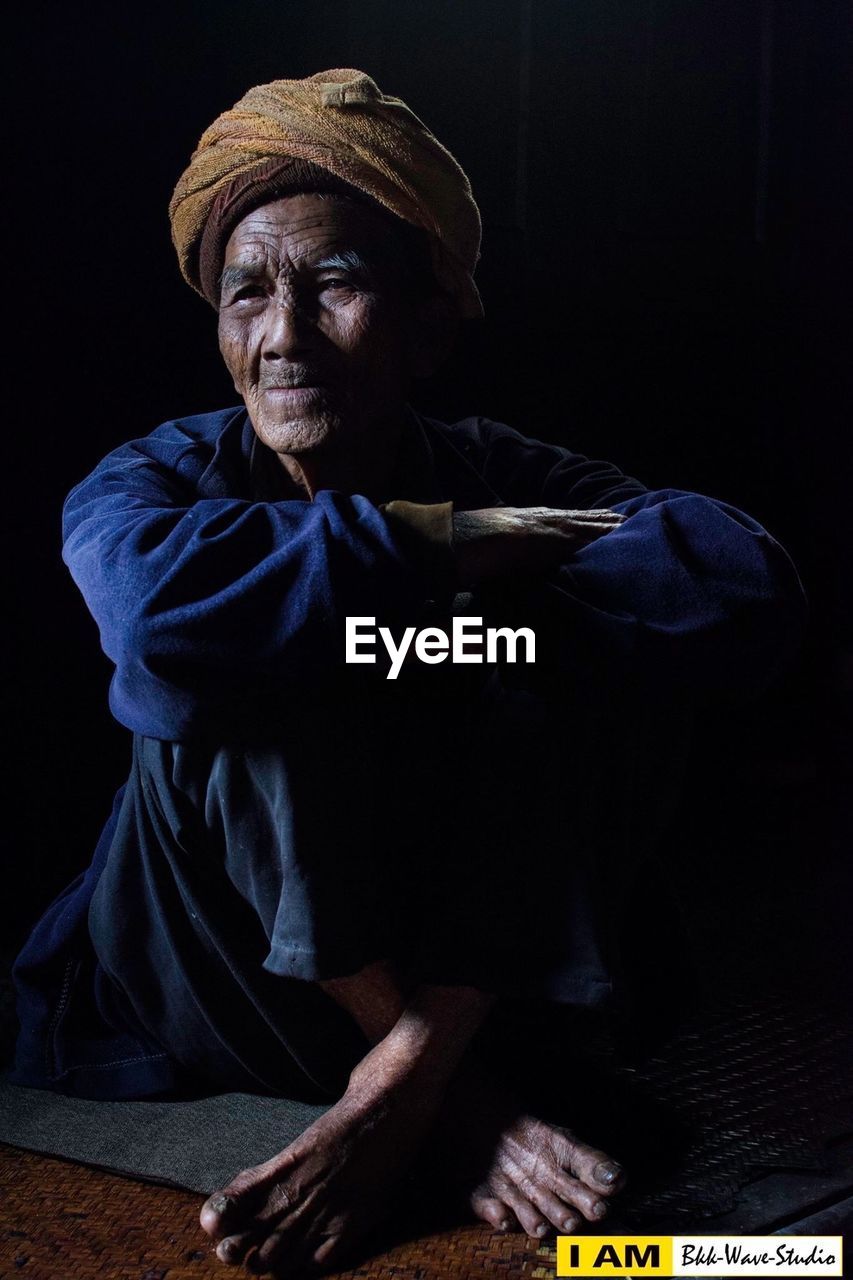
{"x":688,"y":585}
{"x":209,"y":607}
{"x":689,"y":593}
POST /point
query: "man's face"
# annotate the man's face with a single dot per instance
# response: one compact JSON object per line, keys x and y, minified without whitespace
{"x":312,"y":323}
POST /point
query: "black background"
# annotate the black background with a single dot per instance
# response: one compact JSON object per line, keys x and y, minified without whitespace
{"x":666,"y":195}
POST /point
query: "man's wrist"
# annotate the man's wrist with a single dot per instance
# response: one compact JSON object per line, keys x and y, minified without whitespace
{"x":427,"y":529}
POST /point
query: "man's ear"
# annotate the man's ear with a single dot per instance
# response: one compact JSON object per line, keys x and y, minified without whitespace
{"x":434,"y":331}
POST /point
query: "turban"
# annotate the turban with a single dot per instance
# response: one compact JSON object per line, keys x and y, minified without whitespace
{"x":337,"y":124}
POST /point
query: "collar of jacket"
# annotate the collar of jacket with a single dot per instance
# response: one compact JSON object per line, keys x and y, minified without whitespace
{"x":435,"y":464}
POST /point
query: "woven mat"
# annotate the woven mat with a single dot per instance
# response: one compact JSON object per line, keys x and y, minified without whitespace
{"x":60,"y":1221}
{"x":746,"y":1088}
{"x":63,"y":1222}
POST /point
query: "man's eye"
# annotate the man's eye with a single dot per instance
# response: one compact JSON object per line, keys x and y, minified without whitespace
{"x":248,"y":291}
{"x":336,"y":282}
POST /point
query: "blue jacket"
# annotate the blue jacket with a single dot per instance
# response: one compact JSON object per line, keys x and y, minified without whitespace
{"x":211,"y":603}
{"x":218,"y":608}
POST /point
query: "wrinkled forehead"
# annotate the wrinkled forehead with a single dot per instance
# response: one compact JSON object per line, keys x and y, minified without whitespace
{"x":303,"y":226}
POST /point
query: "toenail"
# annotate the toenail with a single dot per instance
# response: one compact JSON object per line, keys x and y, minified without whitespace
{"x":504,"y":1224}
{"x":570,"y":1223}
{"x":607,"y":1173}
{"x":599,"y":1210}
{"x":542,"y":1229}
{"x":220,"y":1203}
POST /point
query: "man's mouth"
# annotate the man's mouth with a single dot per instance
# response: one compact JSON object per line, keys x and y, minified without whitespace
{"x":296,"y":385}
{"x":293,"y":390}
{"x":292,"y":380}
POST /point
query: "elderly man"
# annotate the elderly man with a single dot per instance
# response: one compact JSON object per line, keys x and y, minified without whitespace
{"x":345,"y":844}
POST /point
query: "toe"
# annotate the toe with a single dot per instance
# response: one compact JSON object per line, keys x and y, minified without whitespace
{"x":329,"y":1254}
{"x":282,"y":1246}
{"x":233,"y":1249}
{"x":529,"y":1217}
{"x":259,"y":1262}
{"x":219,"y":1214}
{"x":492,"y":1210}
{"x":557,"y":1210}
{"x":602,"y":1174}
{"x":579,"y":1196}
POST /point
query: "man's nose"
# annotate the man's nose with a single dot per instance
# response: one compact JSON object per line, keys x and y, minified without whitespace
{"x":288,"y":331}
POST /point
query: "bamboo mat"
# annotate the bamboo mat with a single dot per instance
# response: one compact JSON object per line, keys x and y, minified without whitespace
{"x":61,"y":1221}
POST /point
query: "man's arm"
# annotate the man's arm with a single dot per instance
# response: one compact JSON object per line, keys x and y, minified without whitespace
{"x":709,"y":593}
{"x":215,"y":607}
{"x":684,"y":581}
{"x":211,"y":606}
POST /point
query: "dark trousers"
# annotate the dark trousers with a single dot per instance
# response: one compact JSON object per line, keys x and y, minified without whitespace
{"x":478,"y":825}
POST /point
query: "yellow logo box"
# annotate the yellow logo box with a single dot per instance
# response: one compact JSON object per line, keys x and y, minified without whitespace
{"x":698,"y":1256}
{"x":614,"y":1255}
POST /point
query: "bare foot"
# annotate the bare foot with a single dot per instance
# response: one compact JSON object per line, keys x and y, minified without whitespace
{"x":518,"y":1169}
{"x":306,"y":1207}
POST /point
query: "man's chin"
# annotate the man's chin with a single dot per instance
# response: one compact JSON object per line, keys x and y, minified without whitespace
{"x":297,"y":435}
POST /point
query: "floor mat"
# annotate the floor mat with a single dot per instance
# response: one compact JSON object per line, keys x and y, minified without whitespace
{"x":744,"y":1091}
{"x":199,"y":1144}
{"x":62,"y":1222}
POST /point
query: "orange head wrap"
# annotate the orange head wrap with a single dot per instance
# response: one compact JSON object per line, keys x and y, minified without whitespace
{"x":337,"y":122}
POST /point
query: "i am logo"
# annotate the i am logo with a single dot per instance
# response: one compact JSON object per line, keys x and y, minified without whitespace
{"x":614,"y":1256}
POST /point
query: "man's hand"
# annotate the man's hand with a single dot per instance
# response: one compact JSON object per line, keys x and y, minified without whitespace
{"x":514,"y":541}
